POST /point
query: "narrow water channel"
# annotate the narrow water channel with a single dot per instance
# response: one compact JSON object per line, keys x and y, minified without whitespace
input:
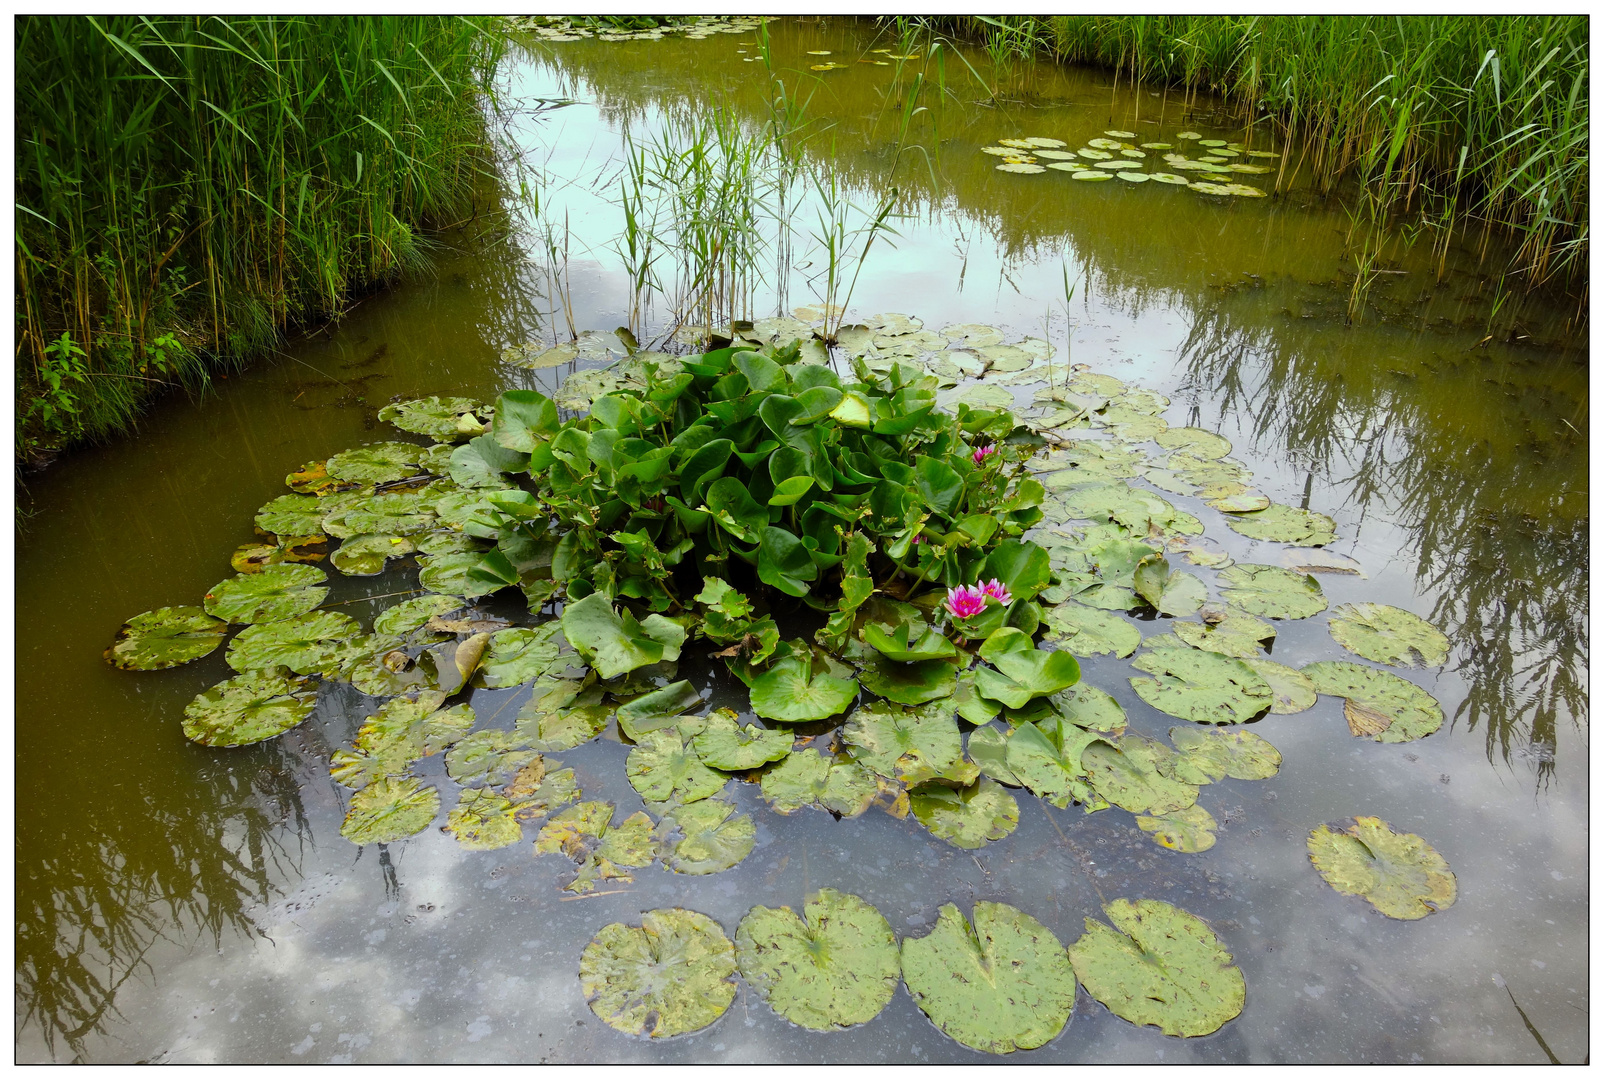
{"x":178,"y":903}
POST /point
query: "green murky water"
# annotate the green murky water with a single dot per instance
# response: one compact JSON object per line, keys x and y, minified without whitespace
{"x":184,"y":904}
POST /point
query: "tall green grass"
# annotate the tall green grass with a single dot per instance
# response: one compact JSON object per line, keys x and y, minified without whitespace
{"x":189,"y":186}
{"x":1452,"y":117}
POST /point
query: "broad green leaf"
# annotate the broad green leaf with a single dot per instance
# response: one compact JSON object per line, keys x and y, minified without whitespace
{"x":790,"y":691}
{"x":1389,"y":635}
{"x":392,"y":514}
{"x":1159,"y":965}
{"x":969,"y":817}
{"x":1170,"y":592}
{"x":724,"y":744}
{"x":663,"y":766}
{"x":837,"y":969}
{"x":1020,"y":565}
{"x":1201,"y":686}
{"x":1189,"y":831}
{"x":248,"y":709}
{"x":909,"y":745}
{"x":1379,"y":705}
{"x":808,"y":778}
{"x":518,"y":655}
{"x":783,"y":562}
{"x":705,"y":837}
{"x":308,"y":644}
{"x":389,"y":810}
{"x":1128,"y":776}
{"x":483,"y":821}
{"x":376,"y":463}
{"x":1271,"y":591}
{"x":909,"y":684}
{"x":1399,"y":873}
{"x":293,"y":515}
{"x":988,"y":749}
{"x":1026,"y":670}
{"x":1093,"y":709}
{"x":1047,"y":759}
{"x":1227,"y":632}
{"x":671,"y":975}
{"x":270,"y":595}
{"x":457,"y":574}
{"x":164,"y":638}
{"x":740,"y":515}
{"x":615,"y":643}
{"x":1292,"y":689}
{"x":524,"y":420}
{"x":489,"y":758}
{"x":443,"y":419}
{"x":897,"y":646}
{"x":1194,"y":441}
{"x":483,"y":462}
{"x":1286,"y":525}
{"x":1006,"y":984}
{"x":1207,"y":756}
{"x":657,"y":709}
{"x":1087,"y":631}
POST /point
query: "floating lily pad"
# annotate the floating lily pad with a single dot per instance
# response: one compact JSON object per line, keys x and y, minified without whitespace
{"x":410,"y":616}
{"x":1195,"y":441}
{"x":444,"y":419}
{"x":837,"y":969}
{"x":365,"y":556}
{"x":1004,"y":984}
{"x":1227,"y":632}
{"x":909,"y":684}
{"x":308,"y":644}
{"x":483,"y":820}
{"x":272,"y":594}
{"x":1272,"y":592}
{"x":1379,"y":705}
{"x":1088,"y":707}
{"x":909,"y":745}
{"x":1170,"y":592}
{"x":808,"y":778}
{"x":1399,"y":873}
{"x":1168,"y":178}
{"x":724,"y":744}
{"x":561,"y":715}
{"x":487,"y":758}
{"x":293,"y":515}
{"x":613,"y":642}
{"x":664,"y":766}
{"x":1087,"y":631}
{"x":248,"y":708}
{"x":376,"y":463}
{"x":1240,"y":502}
{"x":390,"y":810}
{"x":391,"y":514}
{"x":1201,"y":686}
{"x":1204,"y":757}
{"x":671,"y":975}
{"x":255,"y":557}
{"x":519,"y":655}
{"x":711,"y":837}
{"x":1292,"y":689}
{"x":1159,"y":965}
{"x":1389,"y":635}
{"x":534,"y":793}
{"x":456,"y":574}
{"x":969,"y":817}
{"x":790,"y":690}
{"x":1046,"y":758}
{"x":1083,"y":174}
{"x":604,"y":852}
{"x":1286,"y":525}
{"x":1129,"y":776}
{"x":164,"y":638}
{"x":1189,"y":831}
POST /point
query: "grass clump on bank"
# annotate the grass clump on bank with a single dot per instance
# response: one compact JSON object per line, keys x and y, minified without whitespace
{"x":1455,"y":117}
{"x":188,"y":186}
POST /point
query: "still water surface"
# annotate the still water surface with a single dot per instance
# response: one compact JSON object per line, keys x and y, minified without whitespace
{"x":178,"y":903}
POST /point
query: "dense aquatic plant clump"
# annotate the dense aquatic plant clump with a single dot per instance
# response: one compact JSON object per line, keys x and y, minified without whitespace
{"x":186,"y":186}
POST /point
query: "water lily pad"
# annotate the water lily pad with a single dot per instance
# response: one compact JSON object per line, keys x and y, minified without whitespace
{"x":257,"y":556}
{"x":1170,"y":592}
{"x":972,"y":335}
{"x":534,"y":794}
{"x":1201,"y":686}
{"x":376,"y":463}
{"x":272,"y":594}
{"x":1133,"y":177}
{"x":604,"y":852}
{"x":1083,"y":174}
{"x":1389,"y":635}
{"x":308,"y":644}
{"x":837,"y":969}
{"x":909,"y":745}
{"x":893,"y":323}
{"x":1379,"y":705}
{"x":409,"y":616}
{"x":724,"y":744}
{"x":164,"y":638}
{"x":403,"y":731}
{"x":1189,"y":831}
{"x":968,"y":817}
{"x":293,"y":515}
{"x":483,"y":820}
{"x":613,"y":642}
{"x":1100,"y":149}
{"x":1168,"y":178}
{"x":808,"y":778}
{"x":1130,"y":776}
{"x":1004,"y":984}
{"x":1286,"y":525}
{"x":663,"y":766}
{"x":1046,"y":758}
{"x":671,"y":975}
{"x":456,"y":574}
{"x":1292,"y":689}
{"x":248,"y":709}
{"x":390,"y":514}
{"x":1204,"y":757}
{"x":365,"y":556}
{"x":1402,"y":875}
{"x":1159,"y":965}
{"x":790,"y":691}
{"x":519,"y":655}
{"x":1195,"y":441}
{"x":390,"y":810}
{"x":489,"y":758}
{"x":706,"y":837}
{"x":444,"y":419}
{"x":562,"y":714}
{"x":1271,"y":591}
{"x":1088,"y":707}
{"x":909,"y":684}
{"x":1227,"y":632}
{"x":1087,"y":631}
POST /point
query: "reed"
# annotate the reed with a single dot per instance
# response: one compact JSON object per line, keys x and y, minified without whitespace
{"x":187,"y":187}
{"x":1452,"y":118}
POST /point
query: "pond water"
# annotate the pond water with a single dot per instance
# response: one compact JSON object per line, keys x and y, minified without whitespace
{"x":178,"y":903}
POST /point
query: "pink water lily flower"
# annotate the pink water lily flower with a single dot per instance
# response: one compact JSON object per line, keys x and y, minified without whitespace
{"x":996,"y":590}
{"x":984,"y":452}
{"x":965,"y":601}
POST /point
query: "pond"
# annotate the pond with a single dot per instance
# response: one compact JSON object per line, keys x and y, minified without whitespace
{"x":180,"y":903}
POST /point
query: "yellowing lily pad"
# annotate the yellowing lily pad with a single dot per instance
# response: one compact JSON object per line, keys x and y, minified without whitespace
{"x":836,"y":969}
{"x":808,"y":778}
{"x":663,"y":766}
{"x":1389,"y":635}
{"x":1399,"y":873}
{"x":1272,"y":592}
{"x":389,"y":810}
{"x":1292,"y":689}
{"x":969,"y":817}
{"x":1379,"y":705}
{"x":671,"y":975}
{"x":705,"y":837}
{"x":1189,"y":831}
